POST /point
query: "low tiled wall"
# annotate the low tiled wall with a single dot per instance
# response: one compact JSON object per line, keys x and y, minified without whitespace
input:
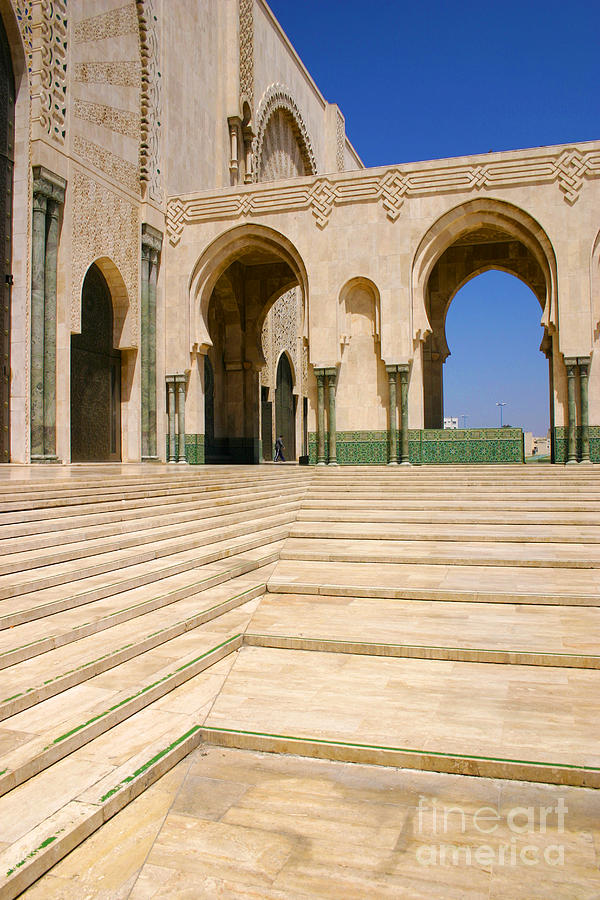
{"x":561,"y":440}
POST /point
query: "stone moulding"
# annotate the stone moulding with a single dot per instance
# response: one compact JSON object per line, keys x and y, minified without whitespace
{"x":567,"y":167}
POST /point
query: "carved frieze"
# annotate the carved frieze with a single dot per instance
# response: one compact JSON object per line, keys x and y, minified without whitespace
{"x":277,"y":99}
{"x":111,"y":24}
{"x":246,"y":13}
{"x":120,"y":120}
{"x":117,"y":169}
{"x":567,"y":168}
{"x":150,"y":100}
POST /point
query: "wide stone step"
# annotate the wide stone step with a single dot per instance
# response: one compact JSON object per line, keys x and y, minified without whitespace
{"x":59,"y":725}
{"x":345,"y":513}
{"x":430,"y":629}
{"x":161,"y":538}
{"x":471,"y":718}
{"x":464,"y":553}
{"x":124,"y":519}
{"x":44,"y":675}
{"x":59,"y":573}
{"x":41,"y":603}
{"x":497,"y":584}
{"x":42,"y":635}
{"x":41,"y":505}
{"x":472,"y":531}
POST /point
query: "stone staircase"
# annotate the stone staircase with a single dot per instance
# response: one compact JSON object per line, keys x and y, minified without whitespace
{"x":435,"y":618}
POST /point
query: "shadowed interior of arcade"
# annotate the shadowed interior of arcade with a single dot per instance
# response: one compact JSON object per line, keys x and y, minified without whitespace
{"x":239,"y":414}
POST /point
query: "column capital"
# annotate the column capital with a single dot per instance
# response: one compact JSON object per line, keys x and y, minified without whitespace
{"x":151,"y":238}
{"x":571,"y":361}
{"x":48,"y":184}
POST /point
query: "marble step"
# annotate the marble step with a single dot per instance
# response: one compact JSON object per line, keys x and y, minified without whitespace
{"x":344,"y":513}
{"x":55,"y":573}
{"x":519,"y":722}
{"x":208,"y":528}
{"x":464,"y":553}
{"x":41,"y":502}
{"x":42,"y":635}
{"x":56,"y":727}
{"x":471,"y":531}
{"x":61,"y":805}
{"x":40,"y":603}
{"x":494,"y":584}
{"x":465,"y":504}
{"x":55,"y":670}
{"x":564,"y":636}
{"x":123,"y":519}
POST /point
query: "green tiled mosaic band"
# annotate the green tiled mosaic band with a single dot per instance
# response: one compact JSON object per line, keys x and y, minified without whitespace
{"x":429,"y":446}
{"x":561,"y":441}
{"x":194,"y":448}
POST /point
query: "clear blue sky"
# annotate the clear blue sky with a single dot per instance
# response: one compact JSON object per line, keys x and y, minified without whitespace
{"x":438,"y":79}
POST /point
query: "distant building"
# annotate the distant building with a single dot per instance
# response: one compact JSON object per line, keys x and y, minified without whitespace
{"x":450,"y":421}
{"x":536,"y":446}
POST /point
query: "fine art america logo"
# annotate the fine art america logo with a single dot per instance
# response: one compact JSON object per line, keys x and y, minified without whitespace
{"x":517,"y":836}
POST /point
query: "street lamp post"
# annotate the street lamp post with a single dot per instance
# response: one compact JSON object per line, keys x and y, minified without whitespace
{"x":501,"y":404}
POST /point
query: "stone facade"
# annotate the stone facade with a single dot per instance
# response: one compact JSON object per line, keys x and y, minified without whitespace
{"x":233,"y":222}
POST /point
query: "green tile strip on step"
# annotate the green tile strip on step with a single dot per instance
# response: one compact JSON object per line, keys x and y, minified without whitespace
{"x":49,"y":840}
{"x":207,"y":729}
{"x":181,"y":622}
{"x":428,"y":446}
{"x":142,"y":691}
{"x":141,"y":769}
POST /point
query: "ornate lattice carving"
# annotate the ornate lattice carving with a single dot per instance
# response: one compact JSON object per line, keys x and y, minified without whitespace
{"x":126,"y":173}
{"x":568,"y":168}
{"x":46,"y":49}
{"x":246,"y":10}
{"x":106,"y":225}
{"x":340,"y":141}
{"x":120,"y":120}
{"x":150,"y":101}
{"x":126,"y":74}
{"x":277,"y":101}
{"x":111,"y":24}
{"x":280,"y":334}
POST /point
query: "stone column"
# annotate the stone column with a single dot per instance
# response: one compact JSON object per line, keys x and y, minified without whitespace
{"x":151,"y":246}
{"x":584,"y":363}
{"x":38,"y":272}
{"x":181,"y":418}
{"x":48,"y":197}
{"x":331,"y":382}
{"x":571,"y":365}
{"x":52,"y":216}
{"x":404,"y":451}
{"x":393,"y":428}
{"x":172,"y":416}
{"x":321,"y":459}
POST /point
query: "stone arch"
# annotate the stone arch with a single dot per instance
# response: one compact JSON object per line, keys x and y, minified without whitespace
{"x":499,"y":217}
{"x":358,"y":282}
{"x":228,"y":247}
{"x":123,"y":336}
{"x":279,"y":110}
{"x":285,"y":403}
{"x":595,"y":287}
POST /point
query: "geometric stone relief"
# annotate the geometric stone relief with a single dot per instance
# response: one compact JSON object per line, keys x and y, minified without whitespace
{"x":278,"y":99}
{"x":120,"y":120}
{"x":111,"y":24}
{"x":125,"y":74}
{"x":246,"y":49}
{"x":118,"y":169}
{"x":150,"y":100}
{"x":43,"y":26}
{"x":567,"y":168}
{"x":340,"y":141}
{"x":104,"y":224}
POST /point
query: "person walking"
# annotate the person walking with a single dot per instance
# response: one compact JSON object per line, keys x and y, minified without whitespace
{"x":279,"y":448}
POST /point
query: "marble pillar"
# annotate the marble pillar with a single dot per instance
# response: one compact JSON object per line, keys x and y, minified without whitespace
{"x":393,"y":414}
{"x":584,"y":363}
{"x":48,"y":197}
{"x":331,"y":375}
{"x":404,"y":450}
{"x":321,"y":459}
{"x":181,"y":458}
{"x":151,"y":246}
{"x":172,"y":419}
{"x":571,"y":365}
